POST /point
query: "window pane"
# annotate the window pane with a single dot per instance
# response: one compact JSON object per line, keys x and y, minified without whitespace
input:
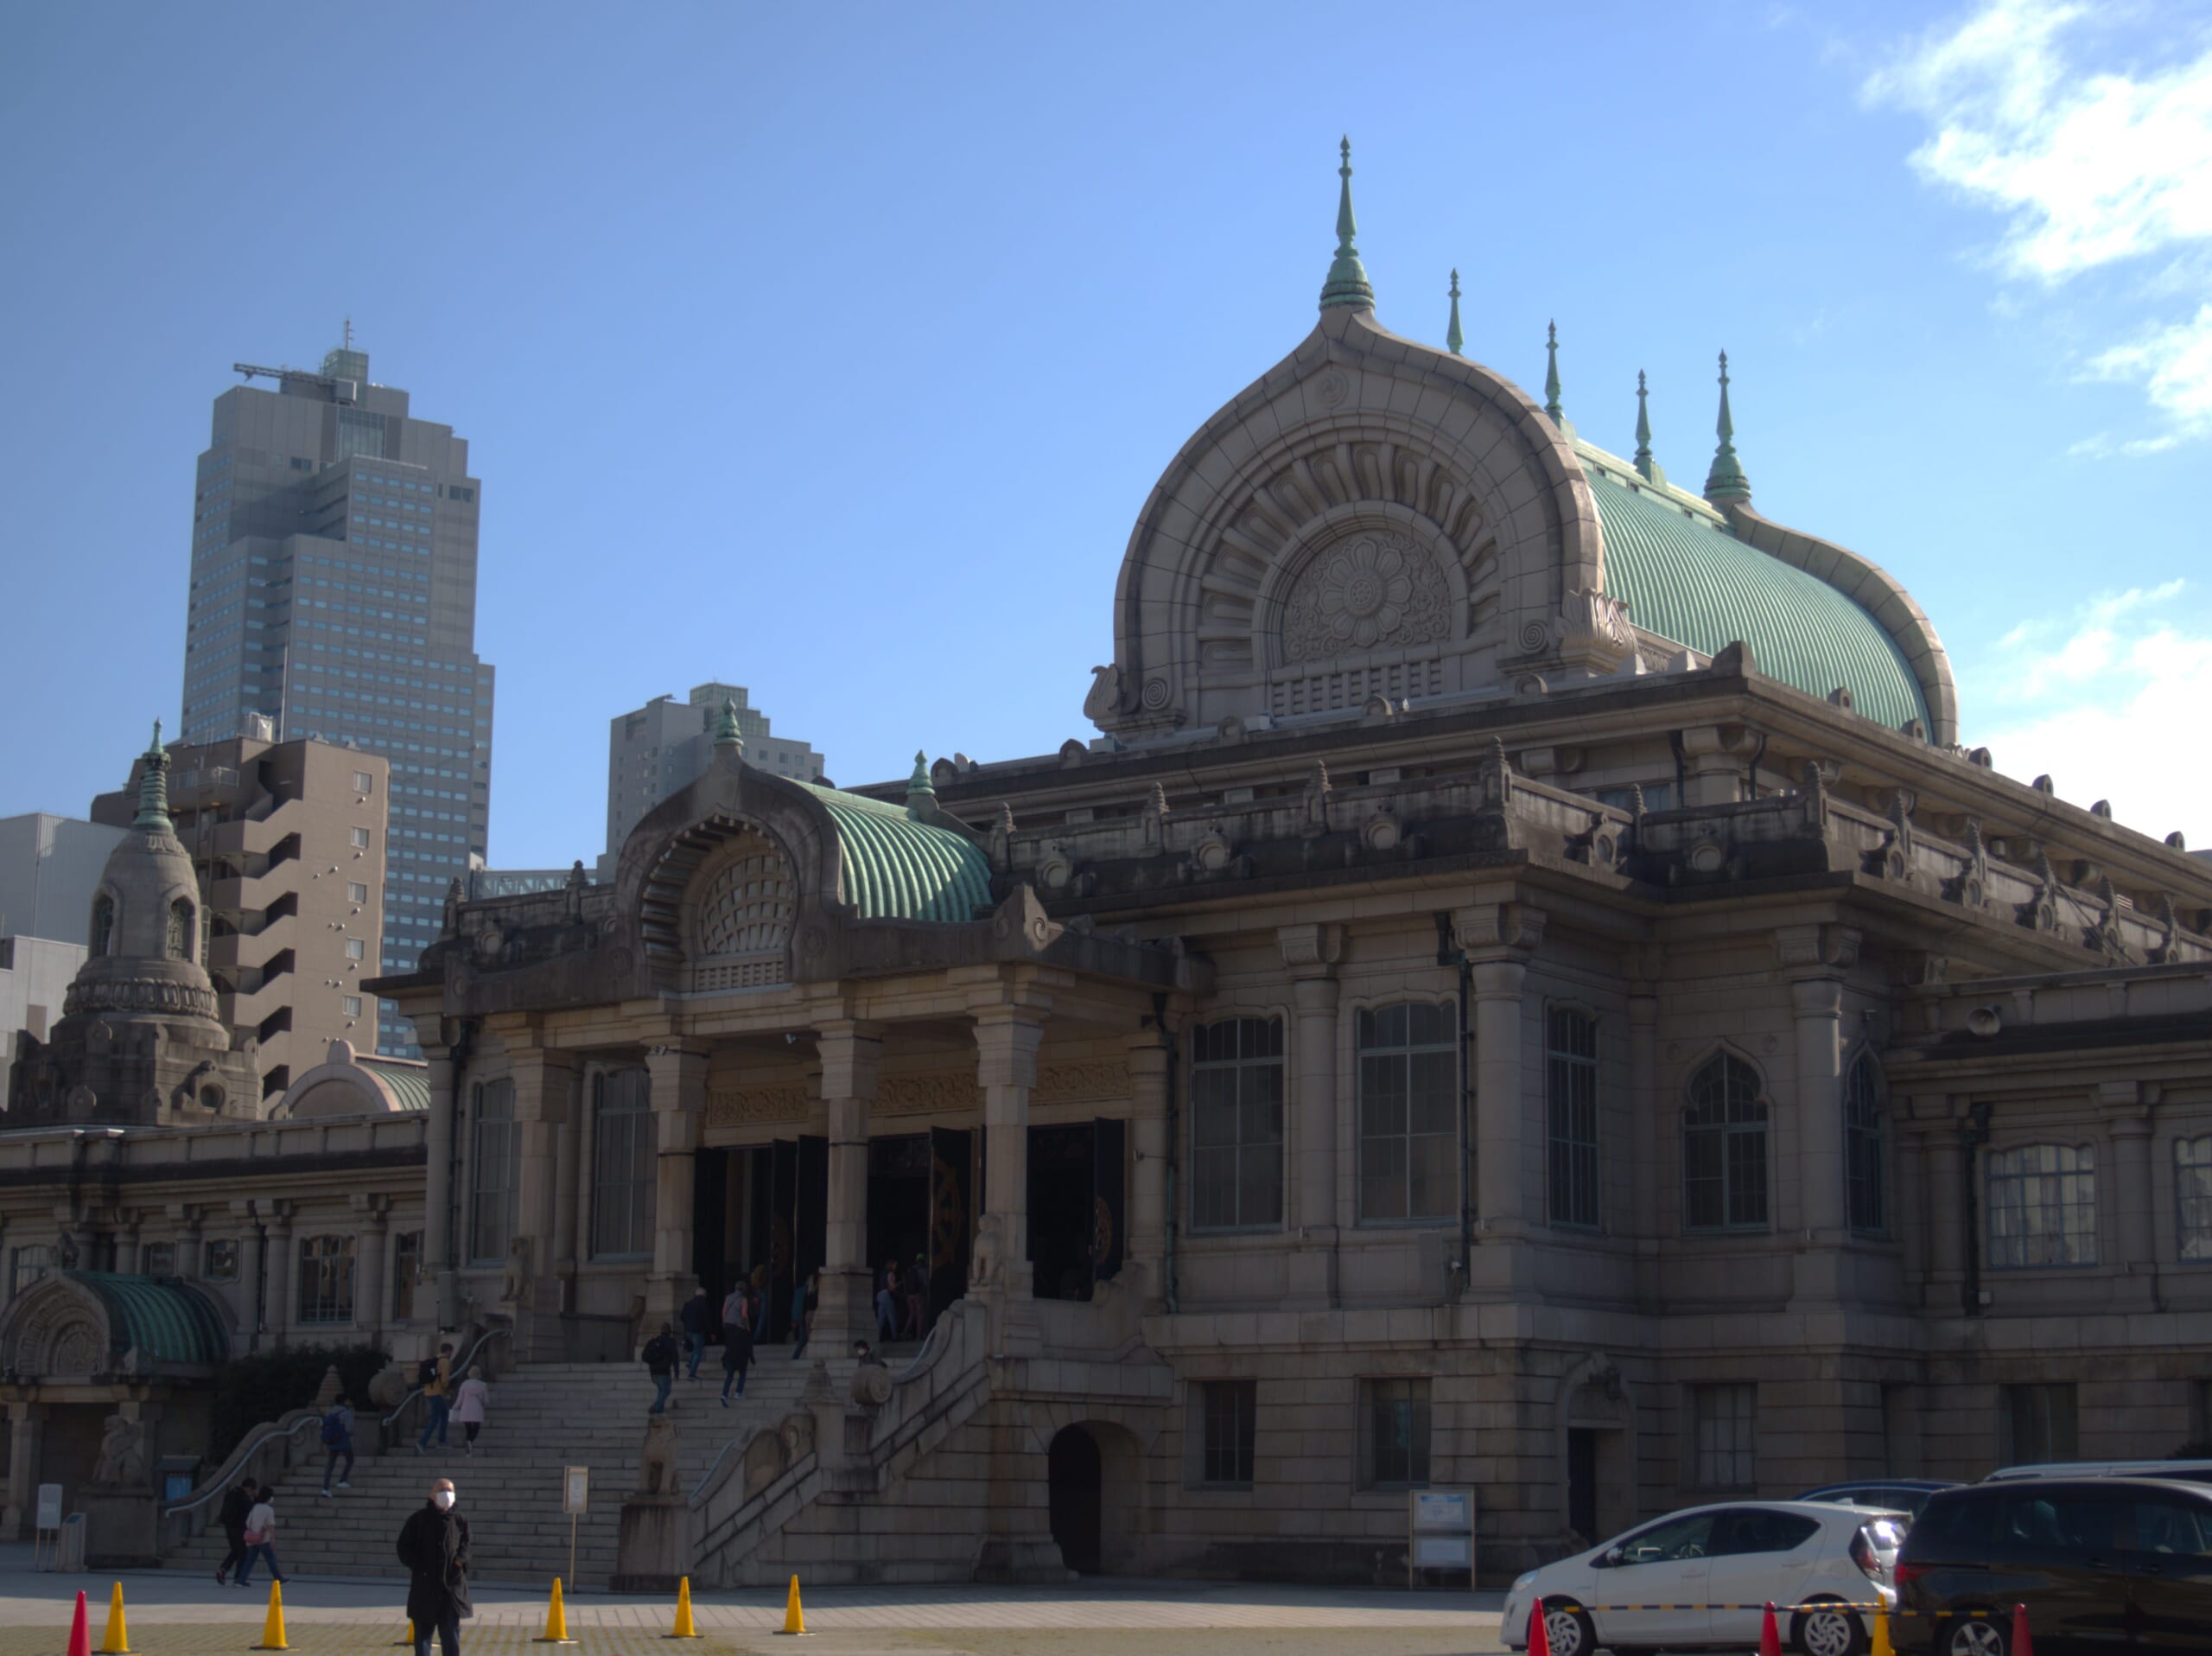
{"x":1236,"y":1093}
{"x":2193,"y":1196}
{"x":1226,"y":1431}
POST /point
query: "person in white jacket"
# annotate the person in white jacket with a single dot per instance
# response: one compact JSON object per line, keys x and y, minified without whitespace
{"x":470,"y":1403}
{"x":261,"y":1539}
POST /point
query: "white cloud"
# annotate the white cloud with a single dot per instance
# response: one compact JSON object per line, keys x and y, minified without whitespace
{"x":2108,"y":701}
{"x":2094,"y":168}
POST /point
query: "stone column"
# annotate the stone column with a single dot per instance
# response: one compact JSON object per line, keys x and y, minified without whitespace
{"x":1008,"y":1035}
{"x":372,"y":1311}
{"x":1648,"y":1118}
{"x":26,"y":1428}
{"x":1943,"y":1162}
{"x":1498,"y":939}
{"x":252,"y":1272}
{"x":127,"y":1244}
{"x":278,"y":1312}
{"x":1148,"y":1244}
{"x":568,"y":1172}
{"x":1814,"y":959}
{"x":184,"y":1220}
{"x":2126,"y":1107}
{"x":438,"y":1192}
{"x":545,"y":1088}
{"x":1312,"y":952}
{"x":679,"y":1072}
{"x":852,"y":1058}
{"x":1714,"y":762}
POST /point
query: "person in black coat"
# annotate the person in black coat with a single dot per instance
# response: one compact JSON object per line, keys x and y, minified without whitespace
{"x":237,"y":1503}
{"x":433,"y":1545}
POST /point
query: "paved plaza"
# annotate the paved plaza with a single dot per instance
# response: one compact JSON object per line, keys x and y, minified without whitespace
{"x":171,"y":1613}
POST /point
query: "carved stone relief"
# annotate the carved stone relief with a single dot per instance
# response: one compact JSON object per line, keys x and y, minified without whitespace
{"x":1377,"y":589}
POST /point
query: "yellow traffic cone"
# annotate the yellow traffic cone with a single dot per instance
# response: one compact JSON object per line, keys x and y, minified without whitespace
{"x":556,"y":1620}
{"x":794,"y":1617}
{"x":685,"y":1628}
{"x":410,"y":1634}
{"x":117,"y":1642}
{"x":272,"y":1630}
{"x":1881,"y":1645}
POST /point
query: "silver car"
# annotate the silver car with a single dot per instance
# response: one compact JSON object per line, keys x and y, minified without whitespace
{"x":1701,"y":1577}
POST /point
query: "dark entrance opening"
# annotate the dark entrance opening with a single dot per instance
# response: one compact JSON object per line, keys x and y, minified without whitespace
{"x":1582,"y":1483}
{"x":798,"y":1191}
{"x":1077,"y":1206}
{"x":1076,"y":1491}
{"x":714,"y":1262}
{"x":899,"y":1228}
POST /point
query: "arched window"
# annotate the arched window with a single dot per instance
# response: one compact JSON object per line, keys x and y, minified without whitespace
{"x":1409,"y":1112}
{"x":1724,"y":1148}
{"x":1865,"y":1165}
{"x":1571,"y":1118}
{"x":103,"y":937}
{"x":2193,"y":1196}
{"x":2043,"y":1205}
{"x":325,"y":1279}
{"x":623,"y":1167}
{"x":181,"y":929}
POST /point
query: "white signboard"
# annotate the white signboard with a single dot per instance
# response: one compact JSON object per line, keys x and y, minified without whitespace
{"x":1444,"y":1552}
{"x":1444,"y":1509}
{"x":1440,"y":1531}
{"x":49,"y":1507}
{"x":575,"y":1488}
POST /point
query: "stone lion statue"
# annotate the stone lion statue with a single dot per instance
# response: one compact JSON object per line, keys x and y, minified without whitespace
{"x":514,"y":1282}
{"x":983,"y":1258}
{"x":656,"y":1473}
{"x":123,"y":1454}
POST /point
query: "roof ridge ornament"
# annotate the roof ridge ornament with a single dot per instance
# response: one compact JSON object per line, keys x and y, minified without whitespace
{"x":1726,"y":481}
{"x":1453,"y":338}
{"x":729,"y":733}
{"x":1347,"y":283}
{"x":154,"y":787}
{"x":1644,"y":464}
{"x":919,"y":785}
{"x":1551,"y":375}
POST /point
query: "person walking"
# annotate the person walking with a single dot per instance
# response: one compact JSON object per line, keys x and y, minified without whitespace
{"x":886,"y":1300}
{"x":804,"y":1300}
{"x":435,"y":1378}
{"x":469,"y":1403}
{"x":737,"y":1354}
{"x":693,"y":1315}
{"x":918,"y":1297}
{"x":261,"y":1537}
{"x":338,"y":1438}
{"x":433,"y":1545}
{"x":737,"y":1306}
{"x":660,"y":1358}
{"x":238,"y":1502}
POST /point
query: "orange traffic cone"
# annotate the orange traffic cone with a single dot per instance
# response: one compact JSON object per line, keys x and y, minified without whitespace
{"x":1881,"y":1647}
{"x":1769,"y":1636}
{"x":794,"y":1617}
{"x":685,"y":1627}
{"x":1540,"y":1636}
{"x":2022,"y":1643}
{"x":556,"y":1620}
{"x":272,"y":1629}
{"x":80,"y":1632}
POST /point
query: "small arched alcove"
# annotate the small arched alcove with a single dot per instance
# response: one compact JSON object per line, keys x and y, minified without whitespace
{"x":1095,"y":1492}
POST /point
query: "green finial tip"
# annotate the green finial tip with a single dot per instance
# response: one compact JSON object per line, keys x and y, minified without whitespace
{"x":919,"y":785}
{"x":1453,"y":338}
{"x":154,"y":787}
{"x":1726,"y":480}
{"x":1347,"y":283}
{"x":1551,"y":373}
{"x":1643,"y":427}
{"x":729,"y":733}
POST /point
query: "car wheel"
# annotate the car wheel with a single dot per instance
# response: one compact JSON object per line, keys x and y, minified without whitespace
{"x":1822,"y":1630}
{"x":1980,"y":1635}
{"x":1568,"y":1627}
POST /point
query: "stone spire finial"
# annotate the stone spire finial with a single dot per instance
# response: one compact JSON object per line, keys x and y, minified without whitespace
{"x":729,"y":733}
{"x":919,"y":785}
{"x":1726,"y":481}
{"x":1551,"y":373}
{"x":154,"y":787}
{"x":1347,"y":282}
{"x":1643,"y":428}
{"x":1453,"y":338}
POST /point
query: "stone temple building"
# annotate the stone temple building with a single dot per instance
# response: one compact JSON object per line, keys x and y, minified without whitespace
{"x":1528,"y":991}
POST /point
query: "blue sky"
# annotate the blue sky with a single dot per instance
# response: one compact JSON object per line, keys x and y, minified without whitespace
{"x":834,"y":350}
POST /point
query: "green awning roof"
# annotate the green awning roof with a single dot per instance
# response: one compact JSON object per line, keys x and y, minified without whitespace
{"x":408,"y":1084}
{"x":897,"y":868}
{"x":1688,"y":580}
{"x":164,"y":1320}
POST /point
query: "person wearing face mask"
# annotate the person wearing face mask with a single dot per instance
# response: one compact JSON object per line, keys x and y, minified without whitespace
{"x":433,"y":1545}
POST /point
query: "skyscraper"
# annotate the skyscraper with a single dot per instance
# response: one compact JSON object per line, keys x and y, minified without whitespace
{"x":333,"y":591}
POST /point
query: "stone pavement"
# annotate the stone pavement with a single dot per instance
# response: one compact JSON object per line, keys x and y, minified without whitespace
{"x":172,"y":1613}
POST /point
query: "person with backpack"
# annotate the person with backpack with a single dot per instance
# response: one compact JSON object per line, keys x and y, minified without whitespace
{"x":468,"y":1405}
{"x":435,"y":1378}
{"x":338,"y":1438}
{"x":261,"y":1537}
{"x":737,"y":1354}
{"x":694,"y":1317}
{"x":660,"y":1359}
{"x":238,"y":1502}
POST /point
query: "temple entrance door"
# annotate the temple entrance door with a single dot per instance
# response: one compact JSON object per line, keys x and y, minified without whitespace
{"x":1077,"y":1210}
{"x":712,"y":1260}
{"x":798,"y":1224}
{"x":952,"y":1217}
{"x":897,"y":1215}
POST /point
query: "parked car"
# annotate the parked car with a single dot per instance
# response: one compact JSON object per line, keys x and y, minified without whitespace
{"x":1906,"y":1495}
{"x":2102,"y":1563}
{"x":2186,"y":1471}
{"x":1654,"y":1588}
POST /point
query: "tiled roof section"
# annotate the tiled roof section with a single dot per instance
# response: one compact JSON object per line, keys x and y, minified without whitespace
{"x":408,"y":1084}
{"x":1688,"y":580}
{"x":164,"y":1320}
{"x":897,"y":868}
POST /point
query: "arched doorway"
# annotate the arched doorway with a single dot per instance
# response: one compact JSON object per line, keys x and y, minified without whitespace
{"x":1076,"y":1485}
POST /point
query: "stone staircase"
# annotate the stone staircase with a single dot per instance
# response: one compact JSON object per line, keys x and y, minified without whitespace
{"x":543,"y":1416}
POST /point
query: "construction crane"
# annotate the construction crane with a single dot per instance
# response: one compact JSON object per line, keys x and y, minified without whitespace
{"x":250,"y":371}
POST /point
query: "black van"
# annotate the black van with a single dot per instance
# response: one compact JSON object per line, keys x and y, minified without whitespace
{"x":2102,"y":1565}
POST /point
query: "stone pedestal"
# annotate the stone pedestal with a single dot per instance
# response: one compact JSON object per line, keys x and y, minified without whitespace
{"x":653,"y":1550}
{"x":119,"y":1529}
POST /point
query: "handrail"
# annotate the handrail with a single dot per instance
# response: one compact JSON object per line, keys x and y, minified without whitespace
{"x":269,"y":1431}
{"x":460,"y":1367}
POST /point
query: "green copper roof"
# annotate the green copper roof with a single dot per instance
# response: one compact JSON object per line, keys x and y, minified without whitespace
{"x":165,"y":1320}
{"x":408,"y":1084}
{"x":897,"y":868}
{"x":1689,"y":580}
